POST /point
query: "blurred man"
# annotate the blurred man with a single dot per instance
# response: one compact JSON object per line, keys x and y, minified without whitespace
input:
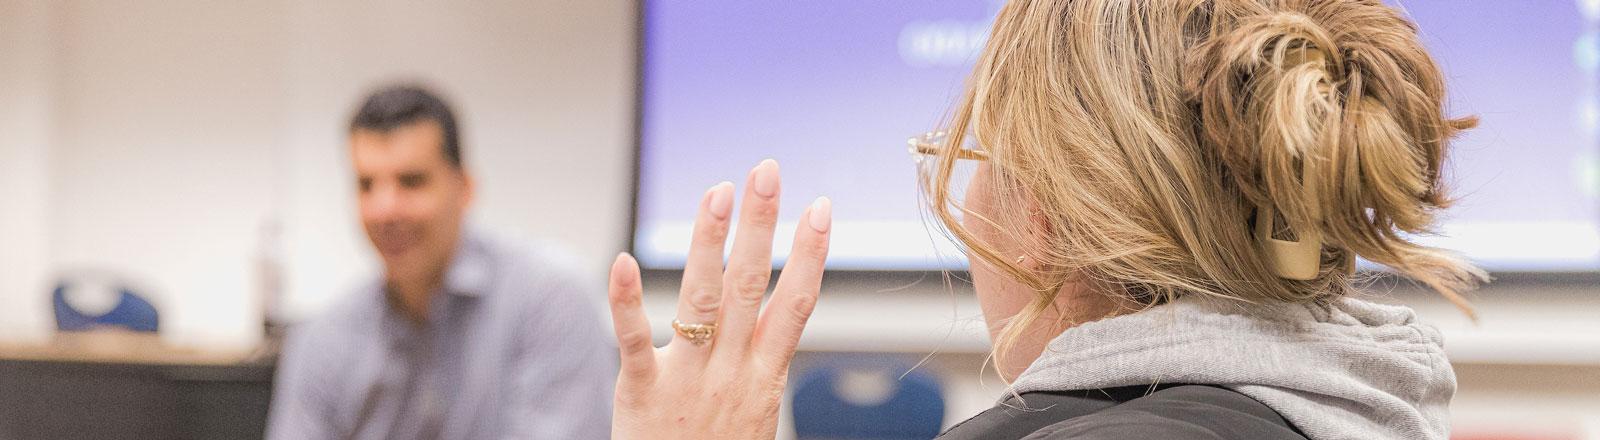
{"x":461,"y":338}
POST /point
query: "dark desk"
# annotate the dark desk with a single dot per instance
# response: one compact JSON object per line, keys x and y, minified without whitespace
{"x":135,"y":391}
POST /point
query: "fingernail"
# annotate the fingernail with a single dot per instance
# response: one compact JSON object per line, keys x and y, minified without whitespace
{"x":764,"y":179}
{"x":721,"y":203}
{"x":821,"y":216}
{"x":619,"y":269}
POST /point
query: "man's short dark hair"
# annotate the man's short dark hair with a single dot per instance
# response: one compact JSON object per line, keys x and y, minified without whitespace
{"x":397,"y":106}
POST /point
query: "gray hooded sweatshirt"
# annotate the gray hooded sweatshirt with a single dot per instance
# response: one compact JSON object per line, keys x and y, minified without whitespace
{"x":1351,"y":369}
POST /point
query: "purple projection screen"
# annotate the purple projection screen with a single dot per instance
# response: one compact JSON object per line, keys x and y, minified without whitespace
{"x":832,"y":89}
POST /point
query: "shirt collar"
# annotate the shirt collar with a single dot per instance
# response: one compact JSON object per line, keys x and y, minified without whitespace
{"x":469,"y":274}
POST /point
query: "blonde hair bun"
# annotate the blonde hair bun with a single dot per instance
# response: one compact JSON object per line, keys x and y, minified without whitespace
{"x":1332,"y":115}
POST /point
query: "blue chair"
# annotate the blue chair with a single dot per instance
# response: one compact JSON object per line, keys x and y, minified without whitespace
{"x":913,"y":409}
{"x":132,"y":312}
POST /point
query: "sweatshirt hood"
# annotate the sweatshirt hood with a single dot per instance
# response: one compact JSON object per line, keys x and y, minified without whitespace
{"x":1348,"y":369}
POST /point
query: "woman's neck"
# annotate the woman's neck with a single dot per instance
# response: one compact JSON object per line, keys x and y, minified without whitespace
{"x":1075,"y":304}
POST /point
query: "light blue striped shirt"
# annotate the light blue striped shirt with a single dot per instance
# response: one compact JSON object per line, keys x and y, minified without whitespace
{"x":513,"y":348}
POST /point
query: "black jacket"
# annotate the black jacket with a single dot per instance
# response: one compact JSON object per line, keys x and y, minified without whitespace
{"x":1177,"y":412}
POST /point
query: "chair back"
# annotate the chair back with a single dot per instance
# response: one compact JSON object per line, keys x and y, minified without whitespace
{"x":862,"y":399}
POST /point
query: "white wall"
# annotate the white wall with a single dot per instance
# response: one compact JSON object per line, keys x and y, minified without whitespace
{"x":165,"y":119}
{"x":157,"y":138}
{"x":25,"y":113}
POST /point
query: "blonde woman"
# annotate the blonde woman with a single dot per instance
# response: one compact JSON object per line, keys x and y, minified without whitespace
{"x":1170,"y":201}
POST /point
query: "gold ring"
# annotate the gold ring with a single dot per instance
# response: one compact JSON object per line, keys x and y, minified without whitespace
{"x":697,"y":334}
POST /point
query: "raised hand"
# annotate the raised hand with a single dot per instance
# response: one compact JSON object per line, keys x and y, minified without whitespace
{"x":722,"y":376}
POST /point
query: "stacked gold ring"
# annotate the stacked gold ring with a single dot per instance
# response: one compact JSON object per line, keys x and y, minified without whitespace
{"x":697,"y":334}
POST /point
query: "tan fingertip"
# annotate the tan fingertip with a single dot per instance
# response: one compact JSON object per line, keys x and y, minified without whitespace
{"x":821,"y":214}
{"x":764,"y":178}
{"x":721,"y":204}
{"x":622,"y":271}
